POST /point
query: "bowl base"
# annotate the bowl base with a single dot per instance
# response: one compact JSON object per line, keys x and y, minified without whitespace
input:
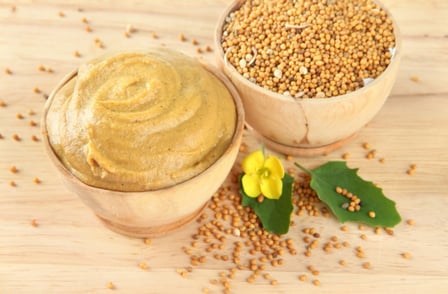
{"x":150,"y":232}
{"x":302,"y":151}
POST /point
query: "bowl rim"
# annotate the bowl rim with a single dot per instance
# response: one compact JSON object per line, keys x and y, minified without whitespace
{"x":237,"y":135}
{"x":236,"y":4}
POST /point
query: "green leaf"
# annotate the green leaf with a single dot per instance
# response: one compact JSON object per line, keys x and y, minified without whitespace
{"x":325,"y":179}
{"x":275,"y":215}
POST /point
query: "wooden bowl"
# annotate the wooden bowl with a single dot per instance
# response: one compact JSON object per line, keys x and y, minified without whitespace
{"x":156,"y":212}
{"x":307,"y":127}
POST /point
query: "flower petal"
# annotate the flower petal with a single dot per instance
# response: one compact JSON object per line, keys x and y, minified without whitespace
{"x":251,"y":185}
{"x":275,"y":167}
{"x":271,"y":187}
{"x":253,"y":162}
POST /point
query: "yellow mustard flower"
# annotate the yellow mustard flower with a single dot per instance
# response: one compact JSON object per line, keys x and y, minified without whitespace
{"x":262,"y":175}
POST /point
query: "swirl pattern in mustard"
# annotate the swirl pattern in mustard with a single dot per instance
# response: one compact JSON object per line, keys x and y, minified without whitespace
{"x":136,"y":121}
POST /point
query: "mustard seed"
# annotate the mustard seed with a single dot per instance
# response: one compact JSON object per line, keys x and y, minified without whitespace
{"x":34,"y":223}
{"x":12,"y":184}
{"x":8,"y":71}
{"x":410,"y":222}
{"x":182,"y":38}
{"x":34,"y":138}
{"x":372,"y":214}
{"x":37,"y":181}
{"x":111,"y":286}
{"x":302,"y":278}
{"x":406,"y":255}
{"x":316,"y":282}
{"x":13,"y":169}
{"x":367,"y":265}
{"x":16,"y":137}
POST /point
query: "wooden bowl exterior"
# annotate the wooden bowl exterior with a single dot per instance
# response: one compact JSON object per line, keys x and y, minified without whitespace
{"x":157,"y":212}
{"x":295,"y":126}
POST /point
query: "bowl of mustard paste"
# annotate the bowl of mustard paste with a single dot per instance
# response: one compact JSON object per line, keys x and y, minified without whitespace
{"x":144,"y":138}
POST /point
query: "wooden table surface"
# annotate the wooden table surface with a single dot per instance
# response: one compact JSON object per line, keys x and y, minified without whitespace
{"x":69,"y":251}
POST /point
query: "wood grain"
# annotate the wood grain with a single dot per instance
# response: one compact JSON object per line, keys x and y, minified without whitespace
{"x":70,"y":251}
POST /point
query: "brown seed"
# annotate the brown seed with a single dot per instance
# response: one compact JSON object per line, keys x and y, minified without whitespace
{"x":36,"y":90}
{"x":367,"y":265}
{"x":13,"y":169}
{"x":3,"y":103}
{"x":34,"y":223}
{"x":61,"y":14}
{"x":208,"y":49}
{"x":199,"y":50}
{"x":410,"y":172}
{"x":260,"y":198}
{"x":410,"y":222}
{"x":12,"y":184}
{"x":143,"y":265}
{"x":366,"y":145}
{"x":16,"y":138}
{"x":84,"y":20}
{"x":34,"y":138}
{"x":37,"y":181}
{"x":148,"y":241}
{"x":111,"y":286}
{"x":406,"y":255}
{"x":342,"y":262}
{"x":1,"y":136}
{"x":194,"y":42}
{"x":316,"y":282}
{"x":182,"y":38}
{"x":346,"y":156}
{"x":88,"y":29}
{"x":8,"y":71}
{"x":154,"y":35}
{"x":344,"y":228}
{"x":76,"y":54}
{"x":415,"y":79}
{"x":363,"y":236}
{"x":302,"y":277}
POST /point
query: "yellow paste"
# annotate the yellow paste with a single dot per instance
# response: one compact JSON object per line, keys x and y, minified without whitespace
{"x":139,"y":121}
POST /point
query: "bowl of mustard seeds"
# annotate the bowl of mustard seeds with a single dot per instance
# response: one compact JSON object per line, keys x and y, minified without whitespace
{"x":310,"y":74}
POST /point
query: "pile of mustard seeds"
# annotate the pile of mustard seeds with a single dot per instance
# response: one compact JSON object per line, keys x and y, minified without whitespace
{"x":308,"y":48}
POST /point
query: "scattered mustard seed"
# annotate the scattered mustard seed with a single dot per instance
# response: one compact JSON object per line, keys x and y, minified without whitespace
{"x":19,"y":116}
{"x":367,"y":265}
{"x":33,"y":123}
{"x":316,"y":282}
{"x":37,"y":180}
{"x":16,"y":137}
{"x":61,"y":14}
{"x":13,"y":169}
{"x":8,"y":71}
{"x":182,"y":37}
{"x":406,"y":255}
{"x":372,"y":214}
{"x":12,"y":184}
{"x":143,"y":265}
{"x":194,"y":42}
{"x":346,"y":156}
{"x":410,"y":222}
{"x":302,"y":277}
{"x":111,"y":286}
{"x":3,"y":103}
{"x":76,"y":54}
{"x":154,"y":35}
{"x":41,"y":68}
{"x":88,"y":29}
{"x":36,"y":90}
{"x":34,"y":223}
{"x":34,"y":138}
{"x":84,"y":20}
{"x":415,"y":79}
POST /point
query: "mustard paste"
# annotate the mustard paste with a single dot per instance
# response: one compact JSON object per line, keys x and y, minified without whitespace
{"x":137,"y":121}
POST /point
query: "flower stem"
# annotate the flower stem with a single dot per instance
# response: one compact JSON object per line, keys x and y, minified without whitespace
{"x":302,"y":168}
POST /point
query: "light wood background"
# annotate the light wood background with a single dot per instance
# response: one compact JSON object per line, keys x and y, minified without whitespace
{"x":71,"y":252}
